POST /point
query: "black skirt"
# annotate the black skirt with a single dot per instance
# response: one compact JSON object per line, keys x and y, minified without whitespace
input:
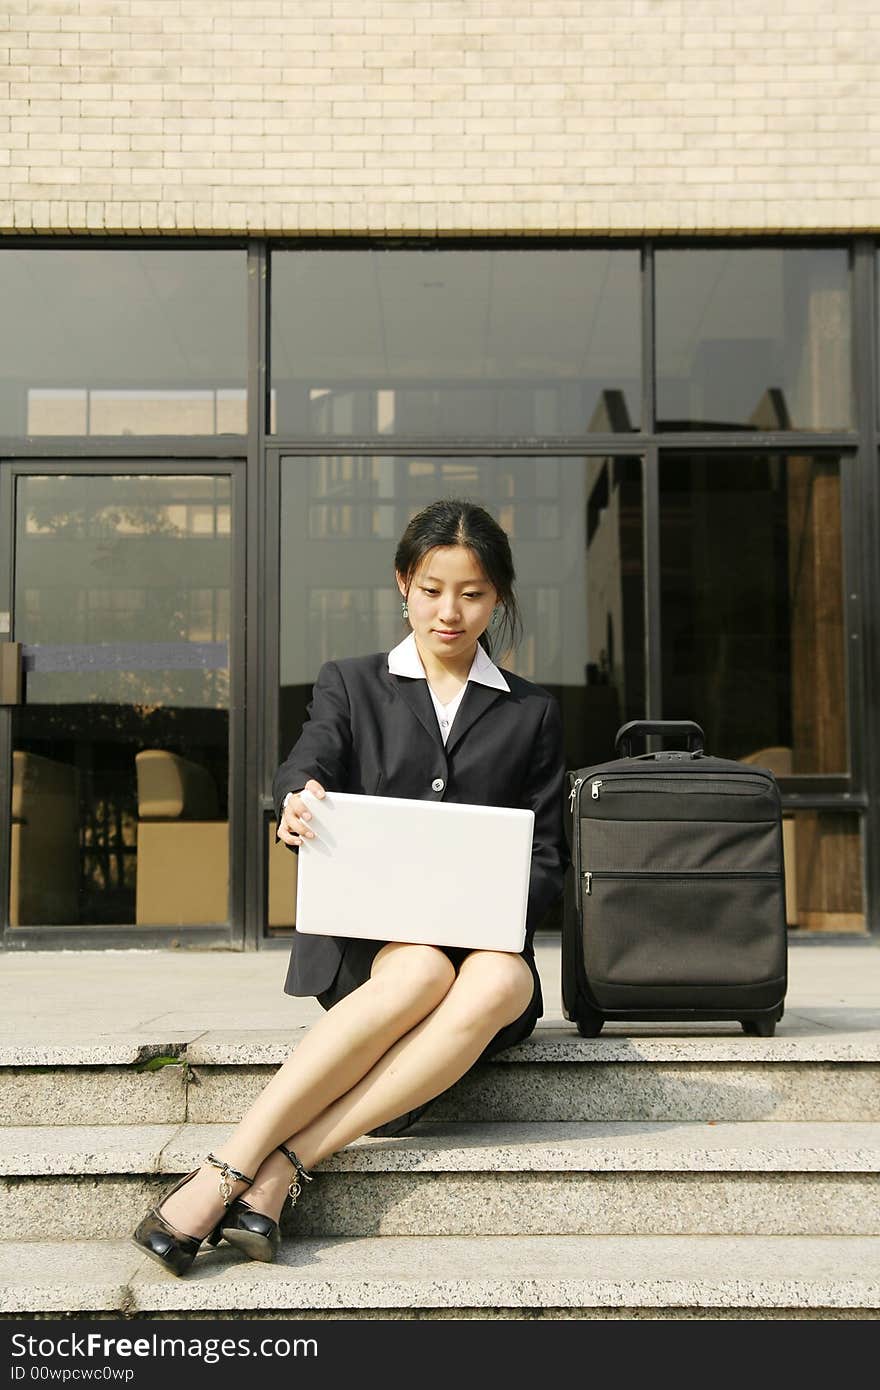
{"x":354,"y":970}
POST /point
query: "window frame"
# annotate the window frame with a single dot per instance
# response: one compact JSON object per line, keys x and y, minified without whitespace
{"x":257,"y":563}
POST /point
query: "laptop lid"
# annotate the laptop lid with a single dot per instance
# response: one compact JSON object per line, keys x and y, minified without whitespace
{"x":392,"y":869}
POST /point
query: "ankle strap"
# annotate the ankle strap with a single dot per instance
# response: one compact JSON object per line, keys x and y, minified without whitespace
{"x":291,"y":1157}
{"x":228,"y":1175}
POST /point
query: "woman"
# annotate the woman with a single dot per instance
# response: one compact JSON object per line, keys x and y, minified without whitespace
{"x":434,"y":719}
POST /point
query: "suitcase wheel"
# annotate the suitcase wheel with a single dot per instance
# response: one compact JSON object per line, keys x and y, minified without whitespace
{"x":589,"y":1023}
{"x":759,"y":1027}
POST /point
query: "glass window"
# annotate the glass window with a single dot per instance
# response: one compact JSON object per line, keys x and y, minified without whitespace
{"x":457,"y":343}
{"x":118,"y":342}
{"x":753,"y":338}
{"x":752,"y":607}
{"x":121,"y":748}
{"x":575,"y":526}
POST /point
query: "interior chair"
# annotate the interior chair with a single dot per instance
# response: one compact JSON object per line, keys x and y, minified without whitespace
{"x":183,"y":848}
{"x":44,"y":880}
{"x":282,"y":882}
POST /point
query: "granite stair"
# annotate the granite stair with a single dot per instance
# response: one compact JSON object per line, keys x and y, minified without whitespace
{"x":666,"y":1174}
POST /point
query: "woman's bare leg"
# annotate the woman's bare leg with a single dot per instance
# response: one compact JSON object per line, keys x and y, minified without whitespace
{"x":406,"y":985}
{"x":492,"y":989}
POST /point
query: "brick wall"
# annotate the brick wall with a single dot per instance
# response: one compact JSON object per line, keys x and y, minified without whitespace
{"x":286,"y":116}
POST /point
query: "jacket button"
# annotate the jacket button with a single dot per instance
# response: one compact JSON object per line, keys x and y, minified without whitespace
{"x":437,"y":785}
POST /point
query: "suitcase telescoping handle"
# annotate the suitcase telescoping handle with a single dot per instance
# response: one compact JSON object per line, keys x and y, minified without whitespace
{"x":685,"y":729}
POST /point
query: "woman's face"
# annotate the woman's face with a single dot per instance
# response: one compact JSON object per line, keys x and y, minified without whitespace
{"x":450,"y":600}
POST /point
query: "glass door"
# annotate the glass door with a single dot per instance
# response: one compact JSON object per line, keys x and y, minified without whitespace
{"x":121,"y":614}
{"x":575,"y":524}
{"x":754,"y":646}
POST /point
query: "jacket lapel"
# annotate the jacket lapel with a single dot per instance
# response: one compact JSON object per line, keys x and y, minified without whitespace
{"x":415,"y":693}
{"x":475,"y":701}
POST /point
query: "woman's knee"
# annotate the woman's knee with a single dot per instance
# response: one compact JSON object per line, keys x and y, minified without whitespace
{"x":501,"y":985}
{"x":411,"y":972}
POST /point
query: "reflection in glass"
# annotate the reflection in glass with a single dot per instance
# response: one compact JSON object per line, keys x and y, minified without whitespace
{"x":753,"y":338}
{"x":455,"y":343}
{"x":752,"y":606}
{"x":123,"y":342}
{"x":575,"y":526}
{"x":122,"y":746}
{"x":110,"y":560}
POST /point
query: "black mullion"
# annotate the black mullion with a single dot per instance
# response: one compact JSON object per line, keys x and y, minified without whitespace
{"x":794,"y":441}
{"x":853,"y":629}
{"x":77,"y":448}
{"x":49,"y":241}
{"x":776,"y":442}
{"x":53,"y":466}
{"x":651,"y":552}
{"x":237,"y":737}
{"x":7,"y":532}
{"x":649,"y":393}
{"x":325,"y":445}
{"x":853,"y":667}
{"x":271,"y":618}
{"x":863,"y":578}
{"x":651,"y":498}
{"x":269,"y":663}
{"x":251,"y":866}
{"x":853,"y":500}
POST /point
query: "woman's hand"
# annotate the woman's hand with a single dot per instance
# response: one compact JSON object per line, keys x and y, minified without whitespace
{"x":293,"y":828}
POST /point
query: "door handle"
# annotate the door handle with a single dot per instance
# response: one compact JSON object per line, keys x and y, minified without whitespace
{"x":11,"y":684}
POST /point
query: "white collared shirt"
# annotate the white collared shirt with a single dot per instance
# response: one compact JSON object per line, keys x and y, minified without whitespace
{"x":404,"y":660}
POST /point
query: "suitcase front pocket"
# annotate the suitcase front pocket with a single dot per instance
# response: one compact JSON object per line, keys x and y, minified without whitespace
{"x":664,"y":929}
{"x":684,"y":783}
{"x":708,"y":847}
{"x":674,"y":797}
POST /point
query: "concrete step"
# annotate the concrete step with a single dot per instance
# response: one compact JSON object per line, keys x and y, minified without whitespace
{"x":563,"y":1276}
{"x":478,"y":1179}
{"x":810,"y":1075}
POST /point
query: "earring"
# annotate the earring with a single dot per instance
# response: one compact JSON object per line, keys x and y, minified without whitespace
{"x":495,"y":619}
{"x":404,"y":609}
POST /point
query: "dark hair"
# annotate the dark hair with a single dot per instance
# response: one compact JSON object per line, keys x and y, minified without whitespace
{"x":455,"y":521}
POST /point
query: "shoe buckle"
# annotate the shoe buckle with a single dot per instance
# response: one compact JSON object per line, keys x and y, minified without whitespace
{"x":300,"y":1174}
{"x":228,"y":1176}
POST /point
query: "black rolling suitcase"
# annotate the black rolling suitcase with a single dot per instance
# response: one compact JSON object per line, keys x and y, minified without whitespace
{"x":675,"y":906}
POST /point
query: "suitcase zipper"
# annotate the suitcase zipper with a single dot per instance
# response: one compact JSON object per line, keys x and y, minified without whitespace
{"x":589,"y":875}
{"x":742,"y":786}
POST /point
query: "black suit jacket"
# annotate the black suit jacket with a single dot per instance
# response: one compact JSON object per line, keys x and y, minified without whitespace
{"x":375,"y":733}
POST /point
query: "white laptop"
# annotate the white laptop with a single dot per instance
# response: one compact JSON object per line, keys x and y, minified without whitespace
{"x":391,"y":869}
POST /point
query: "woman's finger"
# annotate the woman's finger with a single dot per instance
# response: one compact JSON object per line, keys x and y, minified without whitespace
{"x":291,"y":830}
{"x":294,"y":829}
{"x":296,"y":821}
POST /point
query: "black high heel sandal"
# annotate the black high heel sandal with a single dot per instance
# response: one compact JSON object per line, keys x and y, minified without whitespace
{"x":175,"y":1250}
{"x":249,"y":1230}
